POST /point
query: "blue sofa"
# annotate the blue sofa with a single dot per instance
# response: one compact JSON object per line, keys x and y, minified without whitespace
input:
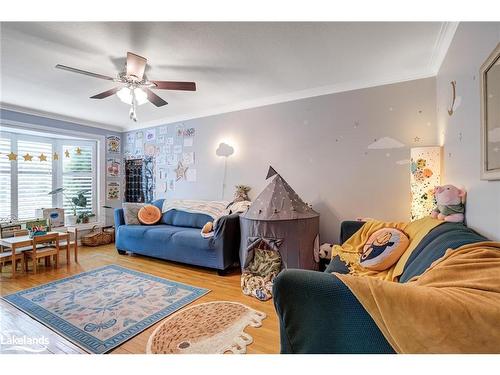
{"x":319,"y":314}
{"x":177,"y":238}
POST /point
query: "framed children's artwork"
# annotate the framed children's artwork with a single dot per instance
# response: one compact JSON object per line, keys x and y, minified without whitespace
{"x":150,"y":135}
{"x":113,"y":144}
{"x":113,"y":190}
{"x":113,"y":167}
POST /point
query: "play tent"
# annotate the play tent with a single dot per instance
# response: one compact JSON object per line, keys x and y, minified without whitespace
{"x":280,"y":220}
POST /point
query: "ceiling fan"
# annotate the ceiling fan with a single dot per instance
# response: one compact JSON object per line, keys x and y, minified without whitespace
{"x":136,"y":87}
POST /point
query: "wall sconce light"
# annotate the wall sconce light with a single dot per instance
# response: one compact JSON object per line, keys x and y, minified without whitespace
{"x":425,"y":174}
{"x":224,"y":150}
{"x":452,"y":108}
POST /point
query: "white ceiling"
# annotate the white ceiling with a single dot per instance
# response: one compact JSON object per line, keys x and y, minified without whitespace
{"x":235,"y":65}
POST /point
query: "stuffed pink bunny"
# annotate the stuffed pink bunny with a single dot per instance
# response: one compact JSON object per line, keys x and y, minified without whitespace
{"x":450,"y":203}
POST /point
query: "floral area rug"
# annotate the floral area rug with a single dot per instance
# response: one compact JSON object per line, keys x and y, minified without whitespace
{"x":207,"y":328}
{"x":100,"y":309}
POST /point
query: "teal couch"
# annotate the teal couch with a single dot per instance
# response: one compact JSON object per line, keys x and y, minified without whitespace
{"x":319,"y":314}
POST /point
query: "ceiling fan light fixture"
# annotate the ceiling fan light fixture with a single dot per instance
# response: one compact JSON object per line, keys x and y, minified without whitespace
{"x":125,"y":95}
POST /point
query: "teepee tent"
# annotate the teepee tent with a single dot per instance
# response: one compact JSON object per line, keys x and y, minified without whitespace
{"x":280,"y":220}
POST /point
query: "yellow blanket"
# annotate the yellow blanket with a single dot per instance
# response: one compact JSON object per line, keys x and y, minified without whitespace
{"x":453,"y":307}
{"x":350,"y":251}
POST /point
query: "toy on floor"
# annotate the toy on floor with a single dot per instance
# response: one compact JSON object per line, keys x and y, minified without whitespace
{"x":258,"y":277}
{"x":450,"y":203}
{"x":325,"y":251}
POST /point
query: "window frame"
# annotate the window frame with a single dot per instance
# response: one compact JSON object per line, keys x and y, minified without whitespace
{"x":97,"y":142}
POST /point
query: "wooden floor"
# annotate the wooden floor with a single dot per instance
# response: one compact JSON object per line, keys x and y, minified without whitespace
{"x":223,"y":288}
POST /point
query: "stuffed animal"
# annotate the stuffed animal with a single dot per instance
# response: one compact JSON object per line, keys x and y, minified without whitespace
{"x":450,"y":203}
{"x":208,"y":227}
{"x":325,"y":251}
{"x":240,"y":195}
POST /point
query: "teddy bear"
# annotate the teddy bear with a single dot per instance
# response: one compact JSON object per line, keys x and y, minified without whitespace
{"x":450,"y":203}
{"x":325,"y":251}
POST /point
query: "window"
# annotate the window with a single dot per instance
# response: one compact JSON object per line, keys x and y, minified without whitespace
{"x":4,"y":177}
{"x":34,"y":177}
{"x":43,"y":165}
{"x":78,"y":176}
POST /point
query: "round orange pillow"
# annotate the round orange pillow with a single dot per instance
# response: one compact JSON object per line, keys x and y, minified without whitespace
{"x":149,"y":215}
{"x":383,"y":249}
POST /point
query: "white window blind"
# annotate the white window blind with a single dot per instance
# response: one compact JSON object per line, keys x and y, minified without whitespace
{"x":78,"y":176}
{"x":5,"y":167}
{"x":26,"y":181}
{"x":34,"y":177}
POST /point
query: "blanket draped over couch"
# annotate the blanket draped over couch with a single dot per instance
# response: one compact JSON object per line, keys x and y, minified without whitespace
{"x":350,"y":251}
{"x":453,"y":307}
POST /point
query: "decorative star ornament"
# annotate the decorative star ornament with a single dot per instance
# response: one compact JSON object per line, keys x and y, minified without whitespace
{"x":28,"y":157}
{"x":180,"y":171}
{"x":66,"y":153}
{"x":42,"y":157}
{"x":78,"y":151}
{"x":12,"y":156}
{"x":416,"y":139}
{"x":55,"y":156}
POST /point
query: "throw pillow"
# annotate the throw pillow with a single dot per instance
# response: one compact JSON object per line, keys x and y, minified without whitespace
{"x":383,"y":249}
{"x":131,"y":213}
{"x":149,"y":215}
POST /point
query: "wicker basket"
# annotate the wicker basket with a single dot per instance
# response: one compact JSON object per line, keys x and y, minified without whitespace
{"x":98,"y":237}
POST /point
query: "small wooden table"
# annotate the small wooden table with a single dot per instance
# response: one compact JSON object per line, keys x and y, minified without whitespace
{"x":15,"y":243}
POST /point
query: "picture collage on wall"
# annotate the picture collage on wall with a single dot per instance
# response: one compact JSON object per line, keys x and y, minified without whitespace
{"x":170,"y":146}
{"x":113,"y":167}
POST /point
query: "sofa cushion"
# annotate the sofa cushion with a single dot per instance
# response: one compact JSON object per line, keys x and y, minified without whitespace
{"x":161,"y":232}
{"x":383,"y":248}
{"x":191,"y":238}
{"x":185,"y":219}
{"x":149,"y":215}
{"x":434,"y":245}
{"x":337,"y":265}
{"x":182,"y":218}
{"x":130,"y":212}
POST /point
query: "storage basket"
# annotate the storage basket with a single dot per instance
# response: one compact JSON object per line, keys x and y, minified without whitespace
{"x":98,"y":237}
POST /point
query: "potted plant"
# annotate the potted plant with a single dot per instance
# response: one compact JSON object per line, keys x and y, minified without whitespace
{"x":84,"y":217}
{"x":79,"y":200}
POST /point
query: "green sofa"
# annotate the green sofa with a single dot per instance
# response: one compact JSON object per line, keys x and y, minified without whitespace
{"x":319,"y":314}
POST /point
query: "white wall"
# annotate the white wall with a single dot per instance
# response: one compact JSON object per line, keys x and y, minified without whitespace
{"x":319,"y":145}
{"x":460,"y":133}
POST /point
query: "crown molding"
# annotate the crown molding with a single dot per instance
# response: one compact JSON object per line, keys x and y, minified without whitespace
{"x":277,"y":99}
{"x":59,"y":117}
{"x":249,"y":104}
{"x":441,"y":45}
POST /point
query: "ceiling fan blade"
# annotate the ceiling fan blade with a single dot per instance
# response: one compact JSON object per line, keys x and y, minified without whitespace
{"x":171,"y":85}
{"x":105,"y":94}
{"x":155,"y":99}
{"x":74,"y":70}
{"x":135,"y":65}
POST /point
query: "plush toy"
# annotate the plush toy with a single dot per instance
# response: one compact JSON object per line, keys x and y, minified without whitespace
{"x":450,"y":203}
{"x":207,"y":228}
{"x":325,"y":251}
{"x":240,"y":195}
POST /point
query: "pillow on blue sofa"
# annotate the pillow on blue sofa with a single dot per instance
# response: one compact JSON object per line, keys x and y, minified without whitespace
{"x":131,"y":212}
{"x":185,"y":219}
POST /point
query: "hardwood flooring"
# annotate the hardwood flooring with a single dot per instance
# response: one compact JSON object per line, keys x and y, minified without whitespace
{"x":223,"y":288}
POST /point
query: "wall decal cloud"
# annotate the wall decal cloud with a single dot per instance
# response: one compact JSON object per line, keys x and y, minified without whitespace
{"x":385,"y":143}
